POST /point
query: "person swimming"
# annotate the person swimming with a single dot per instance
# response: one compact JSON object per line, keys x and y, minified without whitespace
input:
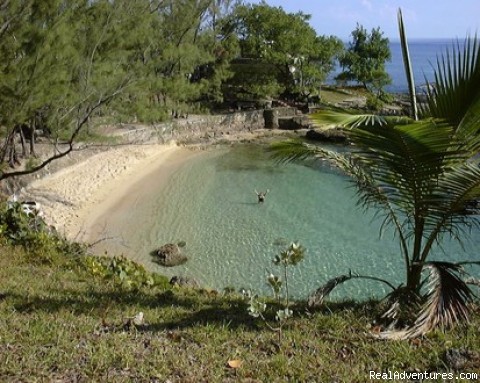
{"x":261,"y":195}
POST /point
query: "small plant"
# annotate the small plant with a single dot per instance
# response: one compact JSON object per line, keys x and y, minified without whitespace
{"x":19,"y":227}
{"x":374,"y":103}
{"x":257,"y":308}
{"x":124,"y":272}
{"x":16,"y":225}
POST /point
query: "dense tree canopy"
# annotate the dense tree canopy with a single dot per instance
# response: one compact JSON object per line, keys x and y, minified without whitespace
{"x":282,"y":53}
{"x":65,"y":61}
{"x":364,"y":60}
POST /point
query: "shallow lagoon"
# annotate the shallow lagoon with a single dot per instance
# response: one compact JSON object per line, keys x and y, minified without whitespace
{"x":231,"y":239}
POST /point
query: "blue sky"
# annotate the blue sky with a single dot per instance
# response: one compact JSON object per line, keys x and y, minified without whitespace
{"x":422,"y":18}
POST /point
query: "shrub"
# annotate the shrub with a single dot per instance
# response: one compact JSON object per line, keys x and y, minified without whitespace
{"x":124,"y":272}
{"x":374,"y":103}
{"x":30,"y":231}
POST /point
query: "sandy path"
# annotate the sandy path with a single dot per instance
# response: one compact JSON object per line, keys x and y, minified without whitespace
{"x":74,"y":197}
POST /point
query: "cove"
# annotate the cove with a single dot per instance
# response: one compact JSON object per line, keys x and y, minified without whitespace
{"x":210,"y":203}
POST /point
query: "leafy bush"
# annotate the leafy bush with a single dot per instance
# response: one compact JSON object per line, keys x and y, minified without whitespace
{"x":124,"y":272}
{"x":16,"y":226}
{"x":387,"y":98}
{"x":374,"y":103}
{"x":42,"y":244}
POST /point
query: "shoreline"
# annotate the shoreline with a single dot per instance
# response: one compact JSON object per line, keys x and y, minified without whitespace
{"x":147,"y":180}
{"x":75,"y":197}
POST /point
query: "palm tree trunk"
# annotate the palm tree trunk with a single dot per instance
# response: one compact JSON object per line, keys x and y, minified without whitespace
{"x":414,"y":277}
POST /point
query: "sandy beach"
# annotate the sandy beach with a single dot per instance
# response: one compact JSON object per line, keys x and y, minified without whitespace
{"x":75,"y":198}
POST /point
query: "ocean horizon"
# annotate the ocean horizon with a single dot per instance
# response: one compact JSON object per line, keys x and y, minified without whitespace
{"x":423,"y":54}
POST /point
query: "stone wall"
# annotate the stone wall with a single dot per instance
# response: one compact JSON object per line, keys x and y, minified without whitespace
{"x":192,"y":130}
{"x":235,"y":122}
{"x":198,"y":128}
{"x":212,"y":126}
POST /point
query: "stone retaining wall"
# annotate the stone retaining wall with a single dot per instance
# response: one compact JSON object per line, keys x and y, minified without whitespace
{"x":192,"y":130}
{"x":235,"y":122}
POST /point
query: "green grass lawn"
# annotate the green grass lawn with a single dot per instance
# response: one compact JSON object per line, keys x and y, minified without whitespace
{"x":61,"y":323}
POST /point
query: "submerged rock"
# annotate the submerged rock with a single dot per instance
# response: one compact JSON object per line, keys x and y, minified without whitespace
{"x":169,"y":255}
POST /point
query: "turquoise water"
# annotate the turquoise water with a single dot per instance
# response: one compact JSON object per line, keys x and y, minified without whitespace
{"x":231,"y":239}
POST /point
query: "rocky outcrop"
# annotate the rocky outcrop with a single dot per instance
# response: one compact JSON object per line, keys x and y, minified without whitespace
{"x":184,"y":282}
{"x":329,"y":135}
{"x":169,"y":255}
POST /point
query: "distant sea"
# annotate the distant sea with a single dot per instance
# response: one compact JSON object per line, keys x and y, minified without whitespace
{"x":423,"y":54}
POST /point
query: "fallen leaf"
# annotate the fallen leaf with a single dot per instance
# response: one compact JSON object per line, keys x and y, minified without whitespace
{"x":139,"y":320}
{"x":235,"y":363}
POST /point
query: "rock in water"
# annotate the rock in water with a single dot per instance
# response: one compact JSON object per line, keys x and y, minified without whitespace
{"x":184,"y":282}
{"x":169,"y":255}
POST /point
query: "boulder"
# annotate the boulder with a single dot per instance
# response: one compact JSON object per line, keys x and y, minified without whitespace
{"x":169,"y":255}
{"x":329,"y":135}
{"x":184,"y":282}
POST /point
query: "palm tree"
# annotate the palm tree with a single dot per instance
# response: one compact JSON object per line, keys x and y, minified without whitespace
{"x":424,"y":176}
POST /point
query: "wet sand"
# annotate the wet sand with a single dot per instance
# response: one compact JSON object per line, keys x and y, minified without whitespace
{"x":77,"y":199}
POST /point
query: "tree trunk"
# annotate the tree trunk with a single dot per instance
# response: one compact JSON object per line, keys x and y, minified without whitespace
{"x":22,"y":140}
{"x":6,"y":144}
{"x":33,"y":126}
{"x":12,"y":151}
{"x":414,"y":277}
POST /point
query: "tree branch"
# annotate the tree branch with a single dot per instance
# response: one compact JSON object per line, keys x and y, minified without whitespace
{"x":89,"y":110}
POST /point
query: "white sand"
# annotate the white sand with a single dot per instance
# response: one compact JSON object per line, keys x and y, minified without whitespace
{"x":73,"y":198}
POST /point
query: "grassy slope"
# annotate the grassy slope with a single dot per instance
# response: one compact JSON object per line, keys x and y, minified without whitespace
{"x":60,"y":323}
{"x":333,"y":95}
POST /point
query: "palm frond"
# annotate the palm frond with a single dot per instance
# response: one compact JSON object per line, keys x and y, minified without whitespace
{"x":317,"y":298}
{"x":292,"y":151}
{"x":468,"y":131}
{"x":403,"y":304}
{"x":456,"y":84}
{"x":454,"y":206}
{"x":447,"y":298}
{"x":446,"y":302}
{"x":351,"y":120}
{"x":297,"y":151}
{"x":408,"y":65}
{"x":404,"y":161}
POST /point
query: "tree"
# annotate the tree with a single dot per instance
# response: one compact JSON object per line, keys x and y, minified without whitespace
{"x":65,"y":62}
{"x":364,"y":60}
{"x":29,"y":70}
{"x":424,"y":176}
{"x":58,"y":69}
{"x":183,"y":58}
{"x":281,"y":51}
